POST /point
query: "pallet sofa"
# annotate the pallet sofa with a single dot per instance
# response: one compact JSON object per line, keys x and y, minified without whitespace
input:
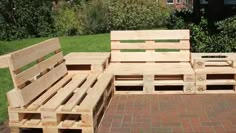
{"x":49,"y":98}
{"x":162,"y":64}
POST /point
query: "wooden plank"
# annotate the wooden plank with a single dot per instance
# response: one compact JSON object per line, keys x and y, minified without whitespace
{"x":15,"y":130}
{"x":34,"y":89}
{"x":84,"y":62}
{"x":189,"y":78}
{"x":33,"y":122}
{"x":84,"y":54}
{"x":50,"y":130}
{"x":128,"y":83}
{"x":184,"y":41}
{"x":199,"y":64}
{"x":38,"y":68}
{"x":38,"y":102}
{"x":189,"y":87}
{"x":79,"y":126}
{"x":150,"y":35}
{"x":218,"y":70}
{"x":168,"y":82}
{"x":14,"y":98}
{"x":14,"y":116}
{"x":217,"y":64}
{"x":149,"y":56}
{"x":221,"y":82}
{"x":80,"y":92}
{"x":4,"y":61}
{"x":92,"y":98}
{"x":201,"y":87}
{"x":148,"y":83}
{"x":153,"y":68}
{"x":155,"y":92}
{"x":199,"y":55}
{"x":217,"y":92}
{"x":25,"y":56}
{"x":144,"y":46}
{"x":64,"y":93}
{"x":87,"y":56}
{"x":68,"y":123}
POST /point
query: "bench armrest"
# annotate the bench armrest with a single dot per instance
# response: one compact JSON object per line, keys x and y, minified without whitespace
{"x":200,"y":60}
{"x":4,"y":61}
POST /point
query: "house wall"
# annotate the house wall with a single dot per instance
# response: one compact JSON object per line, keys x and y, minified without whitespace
{"x":182,"y":4}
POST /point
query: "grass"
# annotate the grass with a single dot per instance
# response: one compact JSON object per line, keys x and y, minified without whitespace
{"x":89,"y":43}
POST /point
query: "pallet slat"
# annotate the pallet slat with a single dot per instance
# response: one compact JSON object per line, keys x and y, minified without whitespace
{"x":25,"y":56}
{"x":90,"y":101}
{"x":149,"y":46}
{"x":34,"y":89}
{"x":38,"y":102}
{"x":54,"y":102}
{"x":38,"y":68}
{"x":150,"y":35}
{"x":149,"y":56}
{"x":80,"y":92}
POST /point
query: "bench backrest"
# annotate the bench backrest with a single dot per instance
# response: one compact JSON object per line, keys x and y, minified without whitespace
{"x":36,"y":68}
{"x":157,"y":46}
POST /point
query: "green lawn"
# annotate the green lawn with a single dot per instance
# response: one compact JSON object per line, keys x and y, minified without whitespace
{"x":89,"y":43}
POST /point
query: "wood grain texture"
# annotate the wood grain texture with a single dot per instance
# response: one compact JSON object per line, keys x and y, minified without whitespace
{"x":150,"y":35}
{"x":37,"y":87}
{"x":149,"y":56}
{"x":25,"y":56}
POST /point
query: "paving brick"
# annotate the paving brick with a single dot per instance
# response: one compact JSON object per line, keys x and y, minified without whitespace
{"x":195,"y":122}
{"x":170,"y":113}
{"x":120,"y":130}
{"x":161,"y":130}
{"x":211,"y":123}
{"x":171,"y":124}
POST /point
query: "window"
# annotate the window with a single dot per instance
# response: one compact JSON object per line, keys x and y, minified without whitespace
{"x":170,"y":1}
{"x":178,"y":1}
{"x":230,"y":2}
{"x":203,"y":1}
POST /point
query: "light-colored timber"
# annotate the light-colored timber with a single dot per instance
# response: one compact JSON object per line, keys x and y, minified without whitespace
{"x":53,"y":93}
{"x":164,"y":61}
{"x":48,"y":97}
{"x":88,"y":60}
{"x":214,"y":72}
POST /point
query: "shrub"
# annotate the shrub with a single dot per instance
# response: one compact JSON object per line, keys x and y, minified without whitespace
{"x":180,"y":19}
{"x":94,"y":16}
{"x":24,"y":18}
{"x":131,"y":14}
{"x":67,"y":21}
{"x":223,"y":40}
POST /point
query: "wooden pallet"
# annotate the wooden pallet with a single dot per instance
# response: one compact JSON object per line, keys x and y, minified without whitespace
{"x":80,"y":108}
{"x":134,"y":79}
{"x":150,"y":70}
{"x":49,"y":130}
{"x":48,"y":97}
{"x":215,"y":72}
{"x":91,"y":61}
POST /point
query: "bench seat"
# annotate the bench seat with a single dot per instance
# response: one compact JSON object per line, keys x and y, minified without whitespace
{"x":150,"y":68}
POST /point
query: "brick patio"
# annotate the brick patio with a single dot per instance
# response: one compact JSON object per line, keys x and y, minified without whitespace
{"x":170,"y":113}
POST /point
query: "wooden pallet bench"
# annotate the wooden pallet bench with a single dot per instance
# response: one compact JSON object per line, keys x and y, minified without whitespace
{"x":215,"y":72}
{"x":161,"y":65}
{"x":49,"y":98}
